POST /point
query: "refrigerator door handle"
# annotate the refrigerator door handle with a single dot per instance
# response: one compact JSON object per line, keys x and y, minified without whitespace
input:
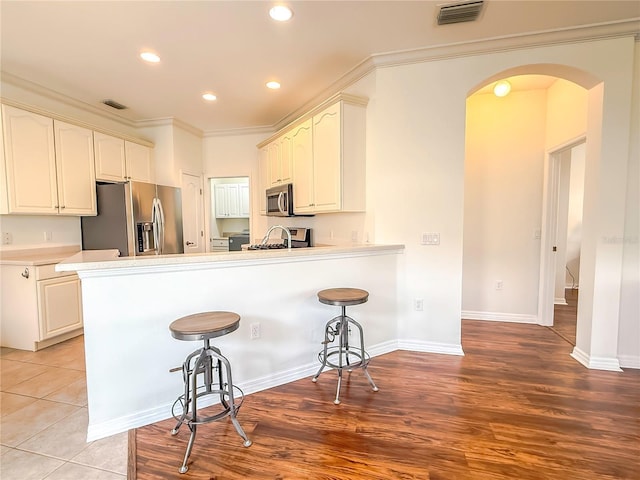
{"x":157,"y":217}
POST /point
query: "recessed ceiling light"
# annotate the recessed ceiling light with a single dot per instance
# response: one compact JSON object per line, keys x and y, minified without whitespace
{"x":273,"y":85}
{"x":150,"y":57}
{"x":502,"y":88}
{"x":280,"y":13}
{"x":209,"y":96}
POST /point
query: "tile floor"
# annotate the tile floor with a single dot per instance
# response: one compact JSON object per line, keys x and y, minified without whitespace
{"x":43,"y":419}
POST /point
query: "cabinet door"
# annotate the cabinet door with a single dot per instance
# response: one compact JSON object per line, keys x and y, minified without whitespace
{"x":286,"y":167}
{"x":245,"y":208}
{"x":139,"y":162}
{"x":75,"y":169}
{"x":30,"y":162}
{"x":60,"y":306}
{"x":263,"y":179}
{"x":220,"y":195}
{"x":109,"y":158}
{"x":302,"y":168}
{"x":327,"y":159}
{"x":273,"y":150}
{"x":233,"y":199}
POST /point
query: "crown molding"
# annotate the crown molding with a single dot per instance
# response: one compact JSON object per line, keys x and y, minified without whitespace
{"x":75,"y":121}
{"x":169,"y":121}
{"x":585,"y":33}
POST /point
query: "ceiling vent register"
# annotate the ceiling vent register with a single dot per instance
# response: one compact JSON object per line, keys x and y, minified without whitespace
{"x":114,"y":104}
{"x":460,"y":12}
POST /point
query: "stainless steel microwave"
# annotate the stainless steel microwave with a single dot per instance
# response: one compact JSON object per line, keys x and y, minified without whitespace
{"x":280,"y":201}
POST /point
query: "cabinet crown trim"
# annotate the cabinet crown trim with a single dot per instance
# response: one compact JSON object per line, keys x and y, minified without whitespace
{"x":340,"y":97}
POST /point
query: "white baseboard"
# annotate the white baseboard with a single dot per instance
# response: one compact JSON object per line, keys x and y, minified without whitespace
{"x":500,"y":317}
{"x":560,"y":301}
{"x":629,"y":361}
{"x":596,"y":363}
{"x":430,"y":347}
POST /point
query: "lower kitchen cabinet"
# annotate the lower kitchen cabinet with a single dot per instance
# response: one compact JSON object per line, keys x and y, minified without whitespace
{"x":40,"y":307}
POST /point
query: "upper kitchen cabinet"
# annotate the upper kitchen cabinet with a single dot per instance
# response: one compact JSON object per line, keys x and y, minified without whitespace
{"x":302,"y":153}
{"x":231,"y":200}
{"x":263,"y":178}
{"x":280,"y":164}
{"x":48,"y":165}
{"x":119,"y":160}
{"x":75,"y":169}
{"x":332,"y":177}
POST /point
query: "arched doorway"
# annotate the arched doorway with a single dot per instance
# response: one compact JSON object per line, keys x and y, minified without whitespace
{"x":492,"y":240}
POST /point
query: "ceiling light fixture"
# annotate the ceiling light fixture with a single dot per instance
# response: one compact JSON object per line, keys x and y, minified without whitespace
{"x":150,"y":57}
{"x":209,"y":96}
{"x":273,"y":85}
{"x":280,"y":13}
{"x":502,"y":88}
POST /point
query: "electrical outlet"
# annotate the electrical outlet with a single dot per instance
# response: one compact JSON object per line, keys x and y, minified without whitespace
{"x":47,"y":236}
{"x":354,"y":236}
{"x":255,"y":331}
{"x":7,"y":238}
{"x":418,"y":304}
{"x":499,"y":284}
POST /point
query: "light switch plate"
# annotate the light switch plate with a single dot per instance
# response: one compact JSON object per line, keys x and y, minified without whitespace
{"x":430,"y":239}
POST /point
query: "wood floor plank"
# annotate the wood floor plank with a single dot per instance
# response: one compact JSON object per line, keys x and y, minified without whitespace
{"x":516,"y":406}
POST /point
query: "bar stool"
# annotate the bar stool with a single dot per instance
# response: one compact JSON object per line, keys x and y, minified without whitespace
{"x":341,"y":354}
{"x":205,"y":361}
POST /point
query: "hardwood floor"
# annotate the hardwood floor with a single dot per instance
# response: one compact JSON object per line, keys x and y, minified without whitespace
{"x":564,"y":316}
{"x":516,"y":406}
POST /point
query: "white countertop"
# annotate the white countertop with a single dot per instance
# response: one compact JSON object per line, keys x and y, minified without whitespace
{"x":37,"y":256}
{"x":88,"y":260}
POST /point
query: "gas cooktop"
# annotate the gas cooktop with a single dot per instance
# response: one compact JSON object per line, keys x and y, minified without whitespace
{"x":267,"y":246}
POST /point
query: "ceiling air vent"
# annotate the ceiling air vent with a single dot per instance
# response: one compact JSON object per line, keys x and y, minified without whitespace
{"x":114,"y":104}
{"x":459,"y":12}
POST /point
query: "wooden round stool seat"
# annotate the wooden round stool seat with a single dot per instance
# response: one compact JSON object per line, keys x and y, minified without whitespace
{"x":343,"y":297}
{"x":200,"y":326}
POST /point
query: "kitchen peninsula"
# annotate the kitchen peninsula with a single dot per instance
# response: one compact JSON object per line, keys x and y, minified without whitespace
{"x":129,"y":302}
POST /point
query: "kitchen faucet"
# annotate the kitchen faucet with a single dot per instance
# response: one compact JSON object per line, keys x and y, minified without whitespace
{"x":265,"y":239}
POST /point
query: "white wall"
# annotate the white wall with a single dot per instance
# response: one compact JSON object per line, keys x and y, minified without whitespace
{"x":503,"y":204}
{"x":574,"y":220}
{"x":629,"y":335}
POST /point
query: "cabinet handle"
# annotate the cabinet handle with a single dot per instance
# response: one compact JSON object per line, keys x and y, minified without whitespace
{"x":63,"y":206}
{"x":190,"y":243}
{"x":25,"y":274}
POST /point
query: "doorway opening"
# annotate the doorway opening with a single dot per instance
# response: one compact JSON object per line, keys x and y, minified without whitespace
{"x":568,"y":165}
{"x":230,"y":213}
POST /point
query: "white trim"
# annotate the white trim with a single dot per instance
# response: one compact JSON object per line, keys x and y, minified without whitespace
{"x":430,"y":347}
{"x":500,"y":317}
{"x":560,"y":301}
{"x":596,"y":363}
{"x":629,"y":361}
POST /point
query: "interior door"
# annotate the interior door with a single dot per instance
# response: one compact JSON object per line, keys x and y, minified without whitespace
{"x":192,"y":213}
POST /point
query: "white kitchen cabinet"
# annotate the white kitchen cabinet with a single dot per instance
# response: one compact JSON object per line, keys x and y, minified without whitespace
{"x":118,"y":160}
{"x":39,"y":306}
{"x":231,"y":200}
{"x":75,"y":169}
{"x":338,"y":172}
{"x":49,"y":165}
{"x":263,"y":178}
{"x":139,"y":162}
{"x":302,"y":153}
{"x":280,"y":162}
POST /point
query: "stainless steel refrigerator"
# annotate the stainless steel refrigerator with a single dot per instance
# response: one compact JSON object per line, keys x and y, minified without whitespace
{"x":136,"y":218}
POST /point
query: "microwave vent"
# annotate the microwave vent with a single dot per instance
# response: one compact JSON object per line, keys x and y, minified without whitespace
{"x":459,"y":12}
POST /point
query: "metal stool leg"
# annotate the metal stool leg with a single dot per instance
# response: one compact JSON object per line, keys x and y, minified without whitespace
{"x":323,"y":363}
{"x":193,"y":422}
{"x":231,"y":403}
